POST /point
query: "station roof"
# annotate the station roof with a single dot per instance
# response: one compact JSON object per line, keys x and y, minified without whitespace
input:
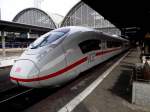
{"x":35,"y":16}
{"x":17,"y":27}
{"x":132,"y":17}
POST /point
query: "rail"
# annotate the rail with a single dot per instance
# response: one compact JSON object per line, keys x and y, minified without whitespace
{"x":12,"y":93}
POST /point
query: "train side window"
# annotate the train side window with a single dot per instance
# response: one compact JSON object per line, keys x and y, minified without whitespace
{"x":117,"y":44}
{"x":111,"y":44}
{"x":90,"y":45}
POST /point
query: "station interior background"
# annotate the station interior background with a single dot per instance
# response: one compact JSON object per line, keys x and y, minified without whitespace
{"x":79,"y":15}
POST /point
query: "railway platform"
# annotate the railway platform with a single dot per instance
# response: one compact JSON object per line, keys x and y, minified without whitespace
{"x":113,"y":94}
{"x":5,"y":65}
{"x":11,"y":55}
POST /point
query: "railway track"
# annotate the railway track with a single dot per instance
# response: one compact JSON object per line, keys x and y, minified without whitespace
{"x":18,"y":99}
{"x":8,"y":98}
{"x":12,"y":93}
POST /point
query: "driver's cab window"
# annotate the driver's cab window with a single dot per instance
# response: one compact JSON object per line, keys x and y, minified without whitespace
{"x":49,"y":38}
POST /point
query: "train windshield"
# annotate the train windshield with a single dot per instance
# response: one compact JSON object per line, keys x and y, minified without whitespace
{"x":52,"y":37}
{"x":48,"y":38}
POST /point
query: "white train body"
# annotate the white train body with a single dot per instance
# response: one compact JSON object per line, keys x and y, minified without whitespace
{"x":62,"y":54}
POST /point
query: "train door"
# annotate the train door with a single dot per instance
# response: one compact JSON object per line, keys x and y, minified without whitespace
{"x":105,"y":50}
{"x":99,"y":53}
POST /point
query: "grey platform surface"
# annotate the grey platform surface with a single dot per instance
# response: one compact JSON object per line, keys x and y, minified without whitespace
{"x":12,"y":52}
{"x":113,"y":94}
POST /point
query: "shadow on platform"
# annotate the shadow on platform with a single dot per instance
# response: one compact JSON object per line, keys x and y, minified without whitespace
{"x":122,"y":87}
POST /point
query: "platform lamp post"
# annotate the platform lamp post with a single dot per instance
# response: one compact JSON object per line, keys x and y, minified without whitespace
{"x":3,"y":34}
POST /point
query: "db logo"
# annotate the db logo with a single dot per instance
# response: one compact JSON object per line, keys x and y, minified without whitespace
{"x":18,"y":69}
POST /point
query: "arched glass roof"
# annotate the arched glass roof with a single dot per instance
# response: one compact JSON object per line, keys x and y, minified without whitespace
{"x":35,"y":17}
{"x":83,"y":15}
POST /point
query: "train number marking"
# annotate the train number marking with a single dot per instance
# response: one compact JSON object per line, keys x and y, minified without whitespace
{"x":91,"y":57}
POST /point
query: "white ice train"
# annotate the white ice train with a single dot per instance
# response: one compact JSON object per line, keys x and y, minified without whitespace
{"x":62,"y":54}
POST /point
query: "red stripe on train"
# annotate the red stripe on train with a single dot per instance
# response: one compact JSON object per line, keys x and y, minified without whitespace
{"x":53,"y":74}
{"x":106,"y":51}
{"x":62,"y":70}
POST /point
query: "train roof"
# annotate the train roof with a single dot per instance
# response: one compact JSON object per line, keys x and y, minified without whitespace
{"x":73,"y":29}
{"x":115,"y":37}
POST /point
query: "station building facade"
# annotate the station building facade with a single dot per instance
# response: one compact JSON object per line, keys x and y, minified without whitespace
{"x":29,"y":16}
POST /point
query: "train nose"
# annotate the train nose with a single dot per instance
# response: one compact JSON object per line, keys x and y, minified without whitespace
{"x":24,"y":72}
